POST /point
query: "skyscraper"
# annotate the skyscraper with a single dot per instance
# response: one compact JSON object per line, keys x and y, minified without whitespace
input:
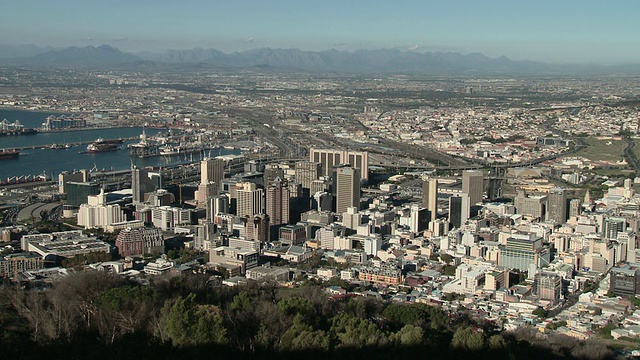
{"x":459,"y":209}
{"x":473,"y":185}
{"x":211,"y":175}
{"x":277,"y":202}
{"x":347,"y":188}
{"x":329,"y":159}
{"x":140,"y":184}
{"x":557,"y":205}
{"x":307,"y":172}
{"x":211,"y":170}
{"x":250,"y":200}
{"x":430,"y":197}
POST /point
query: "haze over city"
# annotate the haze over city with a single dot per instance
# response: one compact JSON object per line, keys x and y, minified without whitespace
{"x":549,"y":31}
{"x":319,"y":180}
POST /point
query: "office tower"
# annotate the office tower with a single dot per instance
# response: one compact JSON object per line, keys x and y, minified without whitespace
{"x":575,"y":207}
{"x":140,"y":184}
{"x":547,"y":287}
{"x":329,"y":159}
{"x":306,"y":173}
{"x":524,"y":250}
{"x":77,"y":192}
{"x":256,"y":227}
{"x":277,"y":202}
{"x":534,"y":206}
{"x":625,"y":280}
{"x":217,"y":204}
{"x":430,"y":197}
{"x":459,"y":209}
{"x":65,"y":177}
{"x":557,"y":206}
{"x":211,"y":170}
{"x":211,"y":175}
{"x":323,"y":201}
{"x":473,"y":185}
{"x":347,"y":188}
{"x":320,"y":185}
{"x":250,"y":200}
{"x":133,"y":242}
{"x":612,"y":226}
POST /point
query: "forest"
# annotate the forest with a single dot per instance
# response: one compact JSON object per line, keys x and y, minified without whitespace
{"x":95,"y":315}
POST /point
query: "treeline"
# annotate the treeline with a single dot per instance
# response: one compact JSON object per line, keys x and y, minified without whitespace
{"x":92,"y":315}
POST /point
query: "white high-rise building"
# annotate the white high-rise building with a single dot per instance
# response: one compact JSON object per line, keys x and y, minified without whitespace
{"x":250,"y":200}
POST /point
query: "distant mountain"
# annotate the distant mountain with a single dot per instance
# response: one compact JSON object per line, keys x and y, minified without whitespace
{"x":77,"y":57}
{"x":363,"y":61}
{"x":20,"y":51}
{"x":266,"y":59}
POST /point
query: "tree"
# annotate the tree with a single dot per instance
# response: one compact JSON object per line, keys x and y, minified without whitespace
{"x":301,"y":336}
{"x":465,"y":338}
{"x":190,"y":324}
{"x":356,"y":333}
{"x":539,"y":311}
{"x":409,"y":335}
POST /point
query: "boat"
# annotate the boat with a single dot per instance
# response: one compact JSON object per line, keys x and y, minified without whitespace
{"x":102,"y":145}
{"x":60,"y":146}
{"x":179,"y":150}
{"x":9,"y":154}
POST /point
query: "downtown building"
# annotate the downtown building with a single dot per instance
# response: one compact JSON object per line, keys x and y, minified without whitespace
{"x":330,"y":159}
{"x":347,"y":188}
{"x":140,"y":241}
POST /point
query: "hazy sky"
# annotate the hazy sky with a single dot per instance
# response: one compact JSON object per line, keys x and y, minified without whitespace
{"x":584,"y":31}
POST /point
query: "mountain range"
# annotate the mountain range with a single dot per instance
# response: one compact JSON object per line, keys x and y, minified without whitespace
{"x":361,"y":61}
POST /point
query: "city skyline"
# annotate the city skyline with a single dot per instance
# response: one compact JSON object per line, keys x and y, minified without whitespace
{"x":566,"y":32}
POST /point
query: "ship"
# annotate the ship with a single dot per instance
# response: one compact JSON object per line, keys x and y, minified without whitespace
{"x":179,"y":150}
{"x":9,"y":154}
{"x":102,"y":145}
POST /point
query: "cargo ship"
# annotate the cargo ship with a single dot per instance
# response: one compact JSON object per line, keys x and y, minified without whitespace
{"x":102,"y":145}
{"x":9,"y":154}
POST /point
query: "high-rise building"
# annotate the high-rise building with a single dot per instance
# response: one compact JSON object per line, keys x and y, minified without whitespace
{"x":211,"y":170}
{"x":211,"y":175}
{"x":473,"y":185}
{"x":329,"y":159}
{"x":459,"y":209}
{"x":65,"y":177}
{"x":306,"y":173}
{"x":557,"y":205}
{"x":277,"y":202}
{"x":217,"y":204}
{"x":77,"y":192}
{"x":140,"y":184}
{"x":139,"y":241}
{"x":575,"y":207}
{"x":430,"y":197}
{"x":612,"y":226}
{"x":524,"y":250}
{"x":97,"y":214}
{"x":250,"y":200}
{"x":534,"y":206}
{"x":547,"y":287}
{"x":256,"y":227}
{"x":347,"y":188}
{"x":625,"y":280}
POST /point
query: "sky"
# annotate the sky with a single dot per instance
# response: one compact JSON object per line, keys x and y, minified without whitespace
{"x":558,"y":31}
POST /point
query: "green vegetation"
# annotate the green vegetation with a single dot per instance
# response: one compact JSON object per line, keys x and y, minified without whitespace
{"x":602,"y":150}
{"x":94,"y":315}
